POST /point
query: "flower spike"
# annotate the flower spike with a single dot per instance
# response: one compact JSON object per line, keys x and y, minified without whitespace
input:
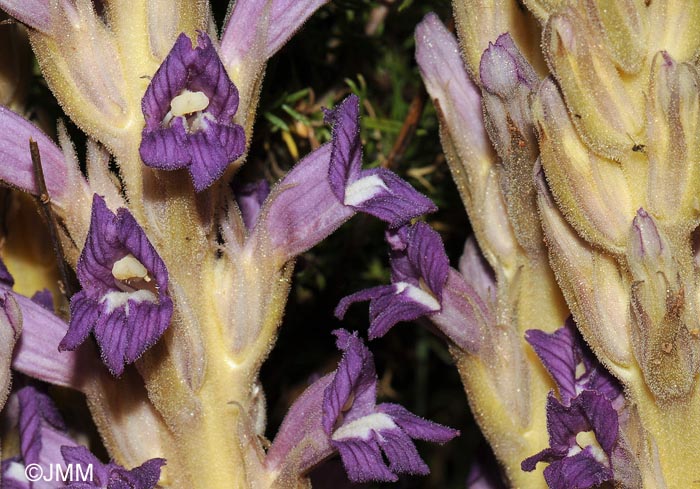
{"x":125,"y":297}
{"x":189,"y":107}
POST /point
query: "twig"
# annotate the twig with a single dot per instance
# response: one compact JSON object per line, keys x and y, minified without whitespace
{"x":44,"y":202}
{"x":408,"y":130}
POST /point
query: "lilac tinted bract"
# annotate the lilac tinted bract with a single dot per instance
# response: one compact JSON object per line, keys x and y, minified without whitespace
{"x":362,"y":431}
{"x":204,"y":141}
{"x":127,"y":316}
{"x":417,"y":255}
{"x":376,"y":191}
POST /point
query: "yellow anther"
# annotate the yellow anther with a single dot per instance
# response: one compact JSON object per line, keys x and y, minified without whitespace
{"x":188,"y":103}
{"x":128,"y":268}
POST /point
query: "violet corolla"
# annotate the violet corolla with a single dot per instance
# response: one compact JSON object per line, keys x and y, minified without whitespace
{"x":124,"y":296}
{"x":339,"y":413}
{"x":189,"y":108}
{"x":583,"y":424}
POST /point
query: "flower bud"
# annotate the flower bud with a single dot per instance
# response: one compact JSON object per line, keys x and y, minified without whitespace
{"x":592,"y":191}
{"x":469,"y":153}
{"x":606,"y":112}
{"x":507,"y":79}
{"x":673,"y":140}
{"x":480,"y":22}
{"x":662,"y":315}
{"x":622,"y":26}
{"x":595,"y":290}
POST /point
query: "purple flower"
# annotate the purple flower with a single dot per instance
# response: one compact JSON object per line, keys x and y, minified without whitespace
{"x":328,"y":186}
{"x":583,"y":427}
{"x":361,"y":430}
{"x":189,"y":107}
{"x":377,"y":191}
{"x":41,"y":435}
{"x":125,"y":290}
{"x":423,"y":285}
{"x":582,"y":437}
{"x":572,"y":364}
{"x":111,"y":475}
{"x":339,"y":412}
{"x":418,"y":255}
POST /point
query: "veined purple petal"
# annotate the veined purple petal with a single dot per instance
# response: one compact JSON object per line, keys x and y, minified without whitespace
{"x":578,"y":461}
{"x":37,"y":414}
{"x":15,"y":160}
{"x":34,"y":13}
{"x":250,"y":198}
{"x":390,"y":304}
{"x":42,"y":433}
{"x":346,"y":153}
{"x":125,"y":297}
{"x":363,"y":461}
{"x":417,"y":427}
{"x":579,"y":471}
{"x":386,"y":196}
{"x":243,"y":32}
{"x":571,"y":364}
{"x":378,"y":191}
{"x":189,"y":106}
{"x":556,"y":352}
{"x":427,"y":253}
{"x":354,"y":381}
{"x":418,"y":256}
